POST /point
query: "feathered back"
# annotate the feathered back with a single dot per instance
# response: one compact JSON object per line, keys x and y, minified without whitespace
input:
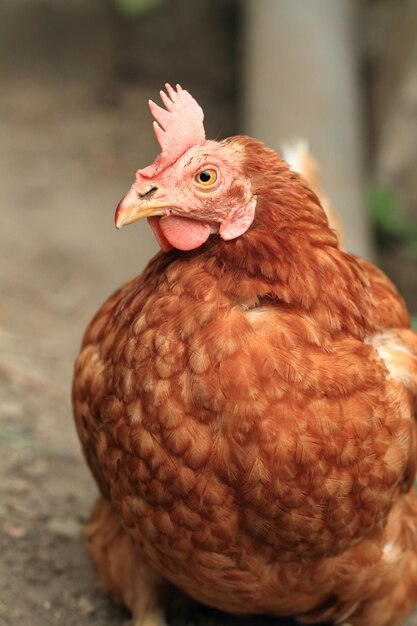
{"x":300,"y":159}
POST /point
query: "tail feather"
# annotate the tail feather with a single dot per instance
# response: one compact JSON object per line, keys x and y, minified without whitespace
{"x":300,"y":160}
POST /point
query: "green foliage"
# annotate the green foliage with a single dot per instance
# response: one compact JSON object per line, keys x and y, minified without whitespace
{"x":414,"y":320}
{"x":135,"y":8}
{"x":390,"y":225}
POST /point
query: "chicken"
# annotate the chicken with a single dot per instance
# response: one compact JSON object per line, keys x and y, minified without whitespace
{"x":247,"y":404}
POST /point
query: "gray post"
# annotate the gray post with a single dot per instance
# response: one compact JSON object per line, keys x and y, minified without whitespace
{"x":301,"y":81}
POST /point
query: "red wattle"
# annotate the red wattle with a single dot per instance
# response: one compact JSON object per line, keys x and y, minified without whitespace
{"x":159,"y":235}
{"x":182,"y":233}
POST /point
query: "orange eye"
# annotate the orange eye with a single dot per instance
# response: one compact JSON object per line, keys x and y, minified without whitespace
{"x":205,"y":178}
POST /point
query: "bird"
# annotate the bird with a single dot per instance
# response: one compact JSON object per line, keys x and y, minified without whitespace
{"x":247,"y":404}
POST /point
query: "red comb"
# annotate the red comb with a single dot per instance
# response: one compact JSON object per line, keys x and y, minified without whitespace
{"x":177,"y":127}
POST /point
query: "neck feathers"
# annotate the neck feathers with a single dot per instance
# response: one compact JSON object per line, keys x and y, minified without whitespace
{"x":290,"y":256}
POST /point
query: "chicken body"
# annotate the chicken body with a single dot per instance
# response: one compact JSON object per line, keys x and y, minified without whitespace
{"x":248,"y":411}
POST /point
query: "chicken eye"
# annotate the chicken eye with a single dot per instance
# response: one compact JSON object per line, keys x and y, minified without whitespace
{"x":206,"y":177}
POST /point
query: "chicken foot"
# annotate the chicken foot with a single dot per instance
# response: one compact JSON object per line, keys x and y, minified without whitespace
{"x":154,"y":617}
{"x":120,"y":568}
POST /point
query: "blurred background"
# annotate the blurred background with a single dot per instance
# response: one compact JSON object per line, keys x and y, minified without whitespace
{"x":75,"y":78}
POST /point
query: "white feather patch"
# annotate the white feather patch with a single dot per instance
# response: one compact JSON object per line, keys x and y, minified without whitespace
{"x":400,"y":360}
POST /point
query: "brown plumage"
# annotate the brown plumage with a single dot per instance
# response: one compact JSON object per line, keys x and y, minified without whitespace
{"x":300,"y":159}
{"x":247,"y":408}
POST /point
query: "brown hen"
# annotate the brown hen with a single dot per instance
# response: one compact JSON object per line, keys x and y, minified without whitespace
{"x":247,"y":404}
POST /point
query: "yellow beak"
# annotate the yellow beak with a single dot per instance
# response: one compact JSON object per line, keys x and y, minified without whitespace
{"x":132,"y":208}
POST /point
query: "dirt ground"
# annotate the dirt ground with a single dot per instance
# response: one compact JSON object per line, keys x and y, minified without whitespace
{"x":70,"y":140}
